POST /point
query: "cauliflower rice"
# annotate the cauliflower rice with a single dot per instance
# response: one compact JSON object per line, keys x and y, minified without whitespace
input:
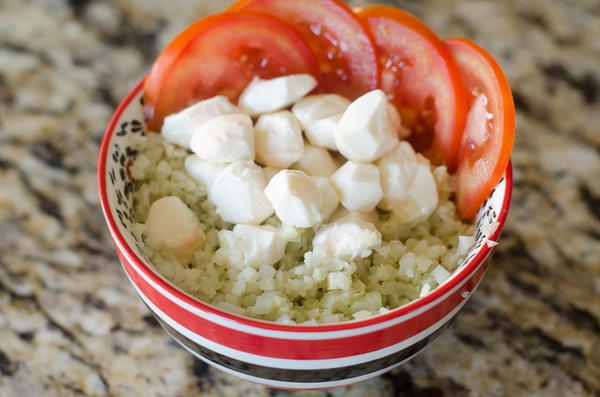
{"x":306,"y":286}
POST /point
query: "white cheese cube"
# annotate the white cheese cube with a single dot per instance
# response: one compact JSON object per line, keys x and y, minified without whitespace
{"x":316,"y":161}
{"x":296,"y":198}
{"x":349,"y":237}
{"x":440,"y":274}
{"x":171,"y":226}
{"x":322,"y":132}
{"x":238,"y":193}
{"x":203,"y":171}
{"x":409,"y":188}
{"x":179,"y":127}
{"x":366,"y":131}
{"x":248,"y":245}
{"x":224,"y":139}
{"x":464,"y":244}
{"x":319,"y":106}
{"x":278,"y":139}
{"x":264,"y":96}
{"x":339,"y":280}
{"x":329,"y":197}
{"x":358,"y":186}
{"x":319,"y":115}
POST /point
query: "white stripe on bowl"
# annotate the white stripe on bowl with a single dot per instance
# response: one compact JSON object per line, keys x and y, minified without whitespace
{"x":298,"y":385}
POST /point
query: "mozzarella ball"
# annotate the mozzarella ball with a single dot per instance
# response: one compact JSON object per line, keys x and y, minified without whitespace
{"x":358,"y":186}
{"x":329,"y":197}
{"x":319,"y":106}
{"x":238,"y":192}
{"x":322,"y":132}
{"x":264,"y":96}
{"x":171,"y":226}
{"x":179,"y":127}
{"x":409,"y":188}
{"x":203,"y":171}
{"x":278,"y":139}
{"x":366,"y":132}
{"x":350,"y":237}
{"x":254,"y":246}
{"x":319,"y":115}
{"x":316,"y":161}
{"x":224,"y":139}
{"x":296,"y":198}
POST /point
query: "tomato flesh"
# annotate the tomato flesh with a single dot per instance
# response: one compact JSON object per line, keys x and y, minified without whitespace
{"x":490,"y":128}
{"x":219,"y":55}
{"x":423,"y":81}
{"x":341,"y":42}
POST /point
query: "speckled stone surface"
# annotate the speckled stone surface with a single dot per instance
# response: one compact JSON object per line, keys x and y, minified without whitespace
{"x":70,"y":324}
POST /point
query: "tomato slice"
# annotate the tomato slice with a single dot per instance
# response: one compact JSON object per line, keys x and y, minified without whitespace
{"x":423,"y":81}
{"x":341,"y":42}
{"x":219,"y":55}
{"x":490,"y":128}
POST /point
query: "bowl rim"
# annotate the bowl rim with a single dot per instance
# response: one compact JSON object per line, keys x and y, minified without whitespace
{"x":130,"y":254}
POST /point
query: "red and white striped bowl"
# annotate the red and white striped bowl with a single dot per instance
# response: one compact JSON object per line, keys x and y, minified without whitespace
{"x":277,"y":355}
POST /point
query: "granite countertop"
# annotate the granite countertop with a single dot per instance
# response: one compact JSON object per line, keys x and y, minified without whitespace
{"x":71,"y":325}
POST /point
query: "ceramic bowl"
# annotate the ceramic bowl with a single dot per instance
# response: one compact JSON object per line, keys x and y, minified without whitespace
{"x":278,"y":355}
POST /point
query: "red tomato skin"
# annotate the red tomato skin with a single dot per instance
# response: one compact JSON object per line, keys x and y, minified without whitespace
{"x":423,"y":79}
{"x":350,"y":71}
{"x":216,"y":56}
{"x":479,"y":172}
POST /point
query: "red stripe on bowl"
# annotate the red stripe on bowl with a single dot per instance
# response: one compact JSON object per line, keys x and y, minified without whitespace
{"x":303,"y":349}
